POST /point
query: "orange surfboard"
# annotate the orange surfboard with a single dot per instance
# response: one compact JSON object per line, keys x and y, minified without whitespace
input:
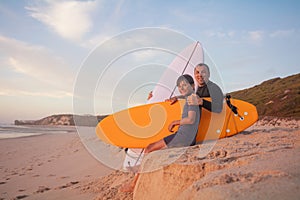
{"x":140,"y":126}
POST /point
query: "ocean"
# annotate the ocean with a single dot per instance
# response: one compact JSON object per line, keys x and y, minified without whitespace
{"x":13,"y":131}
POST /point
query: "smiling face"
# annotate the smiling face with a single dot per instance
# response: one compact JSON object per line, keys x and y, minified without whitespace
{"x":185,"y":88}
{"x":201,"y":74}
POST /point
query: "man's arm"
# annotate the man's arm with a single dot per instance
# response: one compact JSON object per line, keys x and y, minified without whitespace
{"x":216,"y":104}
{"x":217,"y":97}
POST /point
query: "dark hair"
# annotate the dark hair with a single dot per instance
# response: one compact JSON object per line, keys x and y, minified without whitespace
{"x":204,"y":65}
{"x":187,"y":78}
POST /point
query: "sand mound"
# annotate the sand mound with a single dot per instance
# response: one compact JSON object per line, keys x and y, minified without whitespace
{"x":260,"y":163}
{"x":279,"y":122}
{"x":238,"y":163}
{"x":108,"y":186}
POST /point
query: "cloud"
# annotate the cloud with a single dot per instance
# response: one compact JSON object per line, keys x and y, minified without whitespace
{"x":95,"y":40}
{"x":219,"y":34}
{"x":253,"y":36}
{"x":33,"y":62}
{"x":16,"y":92}
{"x":256,"y":36}
{"x":236,"y":36}
{"x":282,"y":33}
{"x":109,"y":27}
{"x":69,"y":19}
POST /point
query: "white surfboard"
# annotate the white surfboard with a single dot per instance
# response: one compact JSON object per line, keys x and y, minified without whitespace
{"x":184,"y":63}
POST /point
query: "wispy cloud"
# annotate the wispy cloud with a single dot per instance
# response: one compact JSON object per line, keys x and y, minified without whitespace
{"x":219,"y":34}
{"x":282,"y":33}
{"x":69,"y":19}
{"x":256,"y":36}
{"x":109,"y":27}
{"x":237,"y":36}
{"x":18,"y":93}
{"x":92,"y":42}
{"x":34,"y":63}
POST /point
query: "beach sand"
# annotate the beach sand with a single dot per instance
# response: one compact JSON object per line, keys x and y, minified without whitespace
{"x":260,"y":163}
{"x":51,"y":166}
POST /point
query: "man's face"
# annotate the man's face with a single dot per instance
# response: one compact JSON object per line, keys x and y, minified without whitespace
{"x":201,"y":75}
{"x":185,"y":88}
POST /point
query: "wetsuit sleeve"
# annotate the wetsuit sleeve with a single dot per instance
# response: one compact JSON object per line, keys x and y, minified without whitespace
{"x":206,"y":105}
{"x":217,"y":96}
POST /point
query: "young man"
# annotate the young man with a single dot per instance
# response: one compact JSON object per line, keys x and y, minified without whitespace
{"x":188,"y":126}
{"x":206,"y":88}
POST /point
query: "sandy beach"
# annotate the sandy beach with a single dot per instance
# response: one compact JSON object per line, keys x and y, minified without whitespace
{"x":50,"y":166}
{"x":262,"y":162}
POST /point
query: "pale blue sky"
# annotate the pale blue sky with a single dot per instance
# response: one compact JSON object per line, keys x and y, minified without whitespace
{"x":44,"y":43}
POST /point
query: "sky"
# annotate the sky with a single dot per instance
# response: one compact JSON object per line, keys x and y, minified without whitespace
{"x":45,"y":47}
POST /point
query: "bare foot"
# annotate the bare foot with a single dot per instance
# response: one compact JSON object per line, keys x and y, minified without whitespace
{"x":127,"y":188}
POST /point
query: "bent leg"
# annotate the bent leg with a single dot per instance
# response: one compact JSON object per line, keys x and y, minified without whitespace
{"x":129,"y":187}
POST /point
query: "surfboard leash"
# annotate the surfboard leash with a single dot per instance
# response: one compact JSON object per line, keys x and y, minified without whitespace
{"x":233,"y":108}
{"x":188,"y":62}
{"x":137,"y":160}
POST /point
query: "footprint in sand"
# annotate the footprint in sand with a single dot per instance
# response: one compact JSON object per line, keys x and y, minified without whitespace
{"x":217,"y":154}
{"x":21,"y":196}
{"x":67,"y":185}
{"x":42,"y":189}
{"x":29,"y":169}
{"x":14,"y":173}
{"x":64,"y":177}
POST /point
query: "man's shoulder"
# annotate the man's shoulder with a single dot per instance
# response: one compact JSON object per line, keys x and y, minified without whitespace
{"x":214,"y":89}
{"x":212,"y":84}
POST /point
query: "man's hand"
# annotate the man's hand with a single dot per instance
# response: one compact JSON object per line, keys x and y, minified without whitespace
{"x":194,"y":100}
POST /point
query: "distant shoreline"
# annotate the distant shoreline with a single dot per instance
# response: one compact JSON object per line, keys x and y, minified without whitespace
{"x":64,"y":120}
{"x":17,"y":131}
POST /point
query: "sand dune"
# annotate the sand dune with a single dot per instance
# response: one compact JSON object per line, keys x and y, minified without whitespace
{"x":260,"y":163}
